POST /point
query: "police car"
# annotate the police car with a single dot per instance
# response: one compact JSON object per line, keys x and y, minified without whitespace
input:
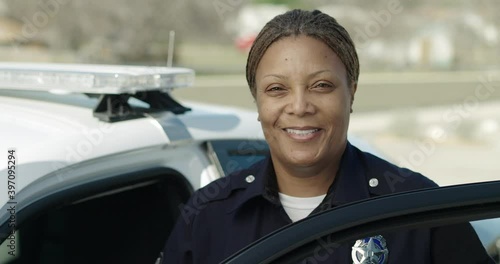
{"x":97,"y":159}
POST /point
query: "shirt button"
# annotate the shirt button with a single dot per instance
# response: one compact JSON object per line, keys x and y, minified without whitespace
{"x":250,"y":178}
{"x":373,"y":182}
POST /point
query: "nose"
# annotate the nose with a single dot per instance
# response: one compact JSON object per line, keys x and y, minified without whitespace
{"x":300,"y":103}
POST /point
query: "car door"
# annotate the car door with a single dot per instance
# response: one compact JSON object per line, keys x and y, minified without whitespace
{"x":313,"y":239}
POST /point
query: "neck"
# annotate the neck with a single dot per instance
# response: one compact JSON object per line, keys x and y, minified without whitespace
{"x":306,"y":181}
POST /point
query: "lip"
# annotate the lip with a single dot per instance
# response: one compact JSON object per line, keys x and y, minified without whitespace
{"x":300,"y":136}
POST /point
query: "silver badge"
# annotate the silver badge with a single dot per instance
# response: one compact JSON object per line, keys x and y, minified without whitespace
{"x":371,"y":250}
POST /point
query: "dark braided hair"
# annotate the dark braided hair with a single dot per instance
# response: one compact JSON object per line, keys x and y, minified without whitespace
{"x":308,"y":23}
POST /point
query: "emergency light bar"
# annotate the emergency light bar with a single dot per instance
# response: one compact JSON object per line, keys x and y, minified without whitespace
{"x":92,"y":79}
{"x":115,"y":84}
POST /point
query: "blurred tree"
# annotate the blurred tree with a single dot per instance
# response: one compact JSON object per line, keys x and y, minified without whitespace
{"x":290,"y":3}
{"x":118,"y":30}
{"x":302,"y":4}
{"x":130,"y":31}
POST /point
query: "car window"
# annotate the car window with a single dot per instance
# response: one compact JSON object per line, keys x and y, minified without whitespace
{"x":488,"y":231}
{"x":234,"y":155}
{"x":132,"y":220}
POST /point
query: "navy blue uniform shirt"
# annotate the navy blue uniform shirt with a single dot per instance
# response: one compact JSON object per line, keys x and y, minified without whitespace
{"x":230,"y":213}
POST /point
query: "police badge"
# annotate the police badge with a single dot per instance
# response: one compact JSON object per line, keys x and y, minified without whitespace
{"x":371,"y":250}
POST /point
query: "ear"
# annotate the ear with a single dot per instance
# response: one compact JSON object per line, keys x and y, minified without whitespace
{"x":352,"y":89}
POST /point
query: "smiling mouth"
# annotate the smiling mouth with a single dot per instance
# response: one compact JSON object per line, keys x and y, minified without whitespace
{"x":301,"y":132}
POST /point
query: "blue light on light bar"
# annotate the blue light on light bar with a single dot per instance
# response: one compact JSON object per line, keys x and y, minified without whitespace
{"x":94,"y":79}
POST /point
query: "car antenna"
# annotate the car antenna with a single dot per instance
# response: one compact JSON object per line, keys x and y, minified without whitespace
{"x":170,"y":54}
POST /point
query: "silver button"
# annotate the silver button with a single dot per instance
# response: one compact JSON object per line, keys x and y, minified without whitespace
{"x":373,"y":182}
{"x":250,"y":178}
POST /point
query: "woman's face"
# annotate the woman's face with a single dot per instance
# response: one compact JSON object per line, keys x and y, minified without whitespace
{"x":303,"y":101}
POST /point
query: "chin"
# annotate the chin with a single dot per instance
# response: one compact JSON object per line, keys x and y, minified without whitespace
{"x":303,"y":160}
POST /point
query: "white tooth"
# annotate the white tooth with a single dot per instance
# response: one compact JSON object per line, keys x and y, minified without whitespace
{"x":301,"y":132}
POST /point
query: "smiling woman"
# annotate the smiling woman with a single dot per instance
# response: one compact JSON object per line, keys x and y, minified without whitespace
{"x":302,"y":71}
{"x":304,"y":99}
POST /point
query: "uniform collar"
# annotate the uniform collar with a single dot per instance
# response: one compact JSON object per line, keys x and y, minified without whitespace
{"x":254,"y":181}
{"x":350,"y":183}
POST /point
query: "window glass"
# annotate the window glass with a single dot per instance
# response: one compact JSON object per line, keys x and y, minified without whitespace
{"x":454,"y":243}
{"x":122,"y":225}
{"x":234,"y":155}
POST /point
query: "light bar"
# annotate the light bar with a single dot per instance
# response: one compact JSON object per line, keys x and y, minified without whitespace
{"x":93,"y":79}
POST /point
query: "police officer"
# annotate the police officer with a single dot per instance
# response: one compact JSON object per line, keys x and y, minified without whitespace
{"x":302,"y":71}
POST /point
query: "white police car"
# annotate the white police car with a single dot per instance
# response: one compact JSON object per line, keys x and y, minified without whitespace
{"x":96,"y":159}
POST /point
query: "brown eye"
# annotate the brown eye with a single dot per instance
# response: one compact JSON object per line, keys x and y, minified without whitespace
{"x":275,"y":88}
{"x":276,"y":91}
{"x":323,"y":85}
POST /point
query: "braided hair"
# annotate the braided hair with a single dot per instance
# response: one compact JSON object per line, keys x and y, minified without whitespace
{"x":308,"y":23}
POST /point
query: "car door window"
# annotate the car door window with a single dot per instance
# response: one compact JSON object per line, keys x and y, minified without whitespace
{"x":126,"y":223}
{"x":233,"y":155}
{"x":418,"y":225}
{"x":453,"y":243}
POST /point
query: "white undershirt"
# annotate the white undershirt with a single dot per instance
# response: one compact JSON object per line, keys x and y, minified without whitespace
{"x":299,"y":207}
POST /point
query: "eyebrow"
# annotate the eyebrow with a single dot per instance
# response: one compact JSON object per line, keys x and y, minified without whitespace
{"x":280,"y":76}
{"x":317,"y":73}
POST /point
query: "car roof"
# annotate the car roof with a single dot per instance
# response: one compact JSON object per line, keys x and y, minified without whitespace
{"x":55,"y":131}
